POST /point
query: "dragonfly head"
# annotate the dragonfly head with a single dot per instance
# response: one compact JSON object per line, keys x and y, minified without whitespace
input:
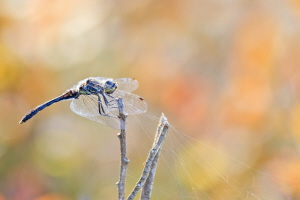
{"x":110,"y":86}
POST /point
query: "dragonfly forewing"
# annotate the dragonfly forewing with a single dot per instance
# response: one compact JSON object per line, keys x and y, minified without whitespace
{"x":124,"y":84}
{"x":127,"y":84}
{"x":88,"y":106}
{"x":133,"y":104}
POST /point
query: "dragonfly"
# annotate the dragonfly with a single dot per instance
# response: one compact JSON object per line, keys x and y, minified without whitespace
{"x":95,"y":98}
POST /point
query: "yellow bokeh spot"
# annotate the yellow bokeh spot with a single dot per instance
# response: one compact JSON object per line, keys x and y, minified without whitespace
{"x":9,"y":70}
{"x":295,"y":123}
{"x":201,"y":168}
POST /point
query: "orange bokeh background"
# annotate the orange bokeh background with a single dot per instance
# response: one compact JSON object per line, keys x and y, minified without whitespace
{"x":224,"y":72}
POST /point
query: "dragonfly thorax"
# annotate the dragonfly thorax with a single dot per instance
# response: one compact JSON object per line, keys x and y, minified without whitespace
{"x":91,"y":86}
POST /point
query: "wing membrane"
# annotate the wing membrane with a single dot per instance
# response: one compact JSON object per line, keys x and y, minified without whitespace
{"x":133,"y":104}
{"x":127,"y":84}
{"x":88,"y":106}
{"x":124,"y":84}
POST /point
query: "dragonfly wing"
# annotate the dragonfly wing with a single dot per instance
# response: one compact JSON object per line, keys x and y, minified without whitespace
{"x":87,"y":106}
{"x":125,"y":84}
{"x":133,"y":104}
{"x":99,"y":78}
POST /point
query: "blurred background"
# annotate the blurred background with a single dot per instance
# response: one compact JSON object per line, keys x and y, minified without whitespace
{"x":224,"y":72}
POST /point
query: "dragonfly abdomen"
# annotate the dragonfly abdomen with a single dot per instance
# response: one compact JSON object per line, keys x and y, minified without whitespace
{"x":68,"y":95}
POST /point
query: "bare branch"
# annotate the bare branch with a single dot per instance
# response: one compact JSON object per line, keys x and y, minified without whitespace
{"x":162,"y":130}
{"x":147,"y":189}
{"x":124,"y":159}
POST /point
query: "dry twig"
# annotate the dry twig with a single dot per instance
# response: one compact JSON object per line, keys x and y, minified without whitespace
{"x":151,"y":162}
{"x":124,"y":159}
{"x":147,"y":188}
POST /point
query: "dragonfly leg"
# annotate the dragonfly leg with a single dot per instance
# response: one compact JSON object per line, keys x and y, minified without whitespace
{"x":100,"y":106}
{"x":107,"y":115}
{"x":101,"y":109}
{"x":109,"y":103}
{"x":114,"y":100}
{"x":105,"y":100}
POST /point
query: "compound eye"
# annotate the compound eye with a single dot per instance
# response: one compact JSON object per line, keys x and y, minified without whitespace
{"x":109,"y":83}
{"x":110,"y":86}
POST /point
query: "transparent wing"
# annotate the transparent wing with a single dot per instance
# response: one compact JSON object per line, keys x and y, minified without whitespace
{"x":133,"y":104}
{"x":100,"y":78}
{"x":88,"y":106}
{"x":125,"y":84}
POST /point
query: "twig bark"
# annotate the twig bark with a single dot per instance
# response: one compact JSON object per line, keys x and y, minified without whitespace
{"x":151,"y":162}
{"x":147,"y":189}
{"x":124,"y":159}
